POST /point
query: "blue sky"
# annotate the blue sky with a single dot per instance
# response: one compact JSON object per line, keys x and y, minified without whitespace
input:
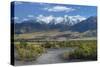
{"x":25,"y":10}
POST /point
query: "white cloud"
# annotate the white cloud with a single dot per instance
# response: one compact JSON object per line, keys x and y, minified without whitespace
{"x":15,"y":18}
{"x":25,"y":19}
{"x":18,"y":3}
{"x":44,"y":4}
{"x":59,"y":9}
{"x":30,"y":16}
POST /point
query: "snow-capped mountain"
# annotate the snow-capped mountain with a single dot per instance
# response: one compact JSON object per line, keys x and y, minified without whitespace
{"x":64,"y":25}
{"x":67,"y":20}
{"x":50,"y":19}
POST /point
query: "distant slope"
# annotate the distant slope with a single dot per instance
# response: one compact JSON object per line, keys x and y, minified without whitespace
{"x":29,"y":26}
{"x":90,"y":33}
{"x":34,"y":26}
{"x":88,"y":24}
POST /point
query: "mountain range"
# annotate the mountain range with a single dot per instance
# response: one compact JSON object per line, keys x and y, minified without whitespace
{"x":67,"y":24}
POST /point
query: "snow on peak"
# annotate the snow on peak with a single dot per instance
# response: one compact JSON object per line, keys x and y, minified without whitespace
{"x":70,"y":20}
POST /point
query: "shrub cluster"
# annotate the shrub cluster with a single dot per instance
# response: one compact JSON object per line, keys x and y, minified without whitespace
{"x":87,"y":50}
{"x":28,"y":51}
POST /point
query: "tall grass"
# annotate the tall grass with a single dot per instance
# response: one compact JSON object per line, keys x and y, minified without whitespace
{"x":87,"y":50}
{"x":28,"y":51}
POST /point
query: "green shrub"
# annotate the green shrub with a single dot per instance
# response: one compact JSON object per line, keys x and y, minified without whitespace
{"x":85,"y":51}
{"x":29,"y":51}
{"x":23,"y":44}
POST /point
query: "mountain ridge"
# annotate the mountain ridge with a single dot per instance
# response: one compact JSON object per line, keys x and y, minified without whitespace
{"x":34,"y":26}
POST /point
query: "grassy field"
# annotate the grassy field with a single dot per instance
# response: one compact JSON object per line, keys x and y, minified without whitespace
{"x":29,"y":46}
{"x":86,"y":49}
{"x":28,"y":52}
{"x":36,"y":34}
{"x":53,"y":33}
